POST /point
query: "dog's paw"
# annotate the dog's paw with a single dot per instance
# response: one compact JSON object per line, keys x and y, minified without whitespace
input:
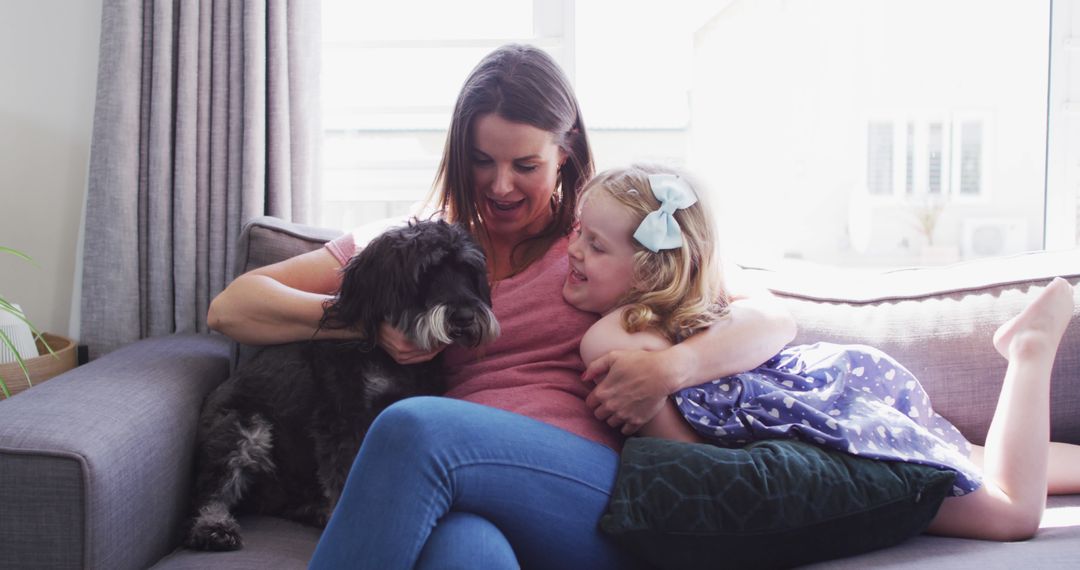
{"x":322,"y":517}
{"x":217,"y":535}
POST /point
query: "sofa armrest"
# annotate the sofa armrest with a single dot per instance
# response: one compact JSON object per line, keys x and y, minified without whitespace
{"x":96,"y":464}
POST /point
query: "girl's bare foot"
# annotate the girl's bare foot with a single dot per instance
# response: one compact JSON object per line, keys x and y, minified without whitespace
{"x":1039,"y":327}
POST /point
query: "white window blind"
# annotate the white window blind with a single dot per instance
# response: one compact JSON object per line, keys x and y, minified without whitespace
{"x":879,"y":158}
{"x":970,"y":157}
{"x":935,"y":159}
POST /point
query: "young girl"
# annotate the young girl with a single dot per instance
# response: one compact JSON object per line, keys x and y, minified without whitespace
{"x":644,"y":258}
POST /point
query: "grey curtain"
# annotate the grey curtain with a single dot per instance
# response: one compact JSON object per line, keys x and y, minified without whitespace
{"x":206,"y":116}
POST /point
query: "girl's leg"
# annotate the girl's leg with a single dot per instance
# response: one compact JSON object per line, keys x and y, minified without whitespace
{"x":1062,"y":467}
{"x":464,"y":541}
{"x":542,"y":487}
{"x":670,"y":424}
{"x":1063,"y":470}
{"x":1009,"y":506}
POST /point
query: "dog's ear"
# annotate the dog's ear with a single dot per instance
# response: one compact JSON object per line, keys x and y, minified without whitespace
{"x":472,"y":256}
{"x":370,"y":289}
{"x":428,"y":243}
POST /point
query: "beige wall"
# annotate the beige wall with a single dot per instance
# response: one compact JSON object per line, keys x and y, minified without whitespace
{"x":48,"y":72}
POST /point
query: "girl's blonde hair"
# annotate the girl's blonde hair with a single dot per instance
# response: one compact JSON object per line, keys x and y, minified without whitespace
{"x":675,"y":291}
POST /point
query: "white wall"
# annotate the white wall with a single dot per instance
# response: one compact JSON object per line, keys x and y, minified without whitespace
{"x":48,"y":73}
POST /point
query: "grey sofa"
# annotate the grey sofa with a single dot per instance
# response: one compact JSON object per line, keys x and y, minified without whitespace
{"x":96,"y":464}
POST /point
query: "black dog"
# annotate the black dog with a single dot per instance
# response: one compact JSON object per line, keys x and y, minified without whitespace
{"x":279,"y":436}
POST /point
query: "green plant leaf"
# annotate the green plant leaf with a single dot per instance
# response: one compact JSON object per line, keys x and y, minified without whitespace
{"x":6,"y":306}
{"x":38,"y":335}
{"x":9,"y":308}
{"x":16,"y":253}
{"x":4,"y":388}
{"x":45,"y":343}
{"x":18,"y":358}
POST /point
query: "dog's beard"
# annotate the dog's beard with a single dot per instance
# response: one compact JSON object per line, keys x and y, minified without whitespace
{"x":432,"y":328}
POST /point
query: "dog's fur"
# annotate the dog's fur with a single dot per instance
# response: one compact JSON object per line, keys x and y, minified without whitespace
{"x":279,"y":436}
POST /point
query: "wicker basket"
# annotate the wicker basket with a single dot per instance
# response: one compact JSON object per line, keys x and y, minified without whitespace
{"x":42,"y":367}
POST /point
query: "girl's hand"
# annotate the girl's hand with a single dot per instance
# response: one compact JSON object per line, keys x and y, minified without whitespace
{"x":633,"y":385}
{"x":401,"y":349}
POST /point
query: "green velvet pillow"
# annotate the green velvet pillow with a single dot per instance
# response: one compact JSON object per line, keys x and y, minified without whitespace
{"x":774,"y":503}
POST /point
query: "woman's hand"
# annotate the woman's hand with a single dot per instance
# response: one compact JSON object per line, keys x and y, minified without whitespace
{"x":633,"y":385}
{"x":401,"y":349}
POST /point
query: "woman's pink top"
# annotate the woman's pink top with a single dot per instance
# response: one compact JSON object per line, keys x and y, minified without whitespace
{"x":534,"y":368}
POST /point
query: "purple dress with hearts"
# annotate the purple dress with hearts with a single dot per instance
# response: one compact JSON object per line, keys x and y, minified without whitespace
{"x":851,"y":398}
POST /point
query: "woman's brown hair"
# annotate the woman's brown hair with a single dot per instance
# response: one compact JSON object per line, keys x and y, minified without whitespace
{"x":521,"y":84}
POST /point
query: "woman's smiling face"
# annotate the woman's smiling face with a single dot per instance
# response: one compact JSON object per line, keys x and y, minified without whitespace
{"x":601,"y":254}
{"x":515,"y":167}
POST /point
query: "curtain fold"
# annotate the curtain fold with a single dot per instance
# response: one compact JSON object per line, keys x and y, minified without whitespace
{"x":206,"y":116}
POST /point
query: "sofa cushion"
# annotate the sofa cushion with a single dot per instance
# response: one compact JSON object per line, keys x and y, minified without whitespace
{"x":269,"y":542}
{"x":1056,"y":546}
{"x":266,"y":240}
{"x":772,"y":504}
{"x":938,"y":322}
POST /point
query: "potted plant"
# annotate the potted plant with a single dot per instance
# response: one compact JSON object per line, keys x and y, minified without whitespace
{"x":37,"y":368}
{"x":927,"y":215}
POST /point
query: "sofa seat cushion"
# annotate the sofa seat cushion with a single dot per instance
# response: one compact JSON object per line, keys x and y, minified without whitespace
{"x":269,"y":542}
{"x":1057,"y":545}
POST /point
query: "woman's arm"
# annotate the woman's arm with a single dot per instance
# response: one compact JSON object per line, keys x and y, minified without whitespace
{"x":632,"y":384}
{"x":279,"y":303}
{"x":284,"y":302}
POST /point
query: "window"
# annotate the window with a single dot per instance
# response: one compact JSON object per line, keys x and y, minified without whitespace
{"x":854,"y":132}
{"x":391,"y":74}
{"x":1063,"y":122}
{"x":909,"y":160}
{"x":935,"y":158}
{"x":879,"y":158}
{"x":927,"y":161}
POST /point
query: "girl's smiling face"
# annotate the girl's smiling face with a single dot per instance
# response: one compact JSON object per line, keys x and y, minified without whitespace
{"x":601,"y":254}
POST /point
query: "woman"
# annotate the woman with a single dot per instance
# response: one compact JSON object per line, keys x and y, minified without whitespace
{"x":517,"y":464}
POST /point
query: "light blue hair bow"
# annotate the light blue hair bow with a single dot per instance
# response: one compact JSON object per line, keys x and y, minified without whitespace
{"x":659,"y":230}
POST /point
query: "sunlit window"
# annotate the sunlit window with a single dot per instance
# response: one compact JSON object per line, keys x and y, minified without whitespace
{"x":391,"y":74}
{"x":879,"y":158}
{"x":852,"y":132}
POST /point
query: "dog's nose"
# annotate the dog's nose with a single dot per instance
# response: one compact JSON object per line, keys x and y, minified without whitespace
{"x":462,"y":317}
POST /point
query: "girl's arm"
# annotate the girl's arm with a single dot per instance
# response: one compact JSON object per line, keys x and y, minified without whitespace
{"x":633,"y":384}
{"x":757,"y":327}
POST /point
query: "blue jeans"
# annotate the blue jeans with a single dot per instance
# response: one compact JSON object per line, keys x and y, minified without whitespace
{"x":442,"y":483}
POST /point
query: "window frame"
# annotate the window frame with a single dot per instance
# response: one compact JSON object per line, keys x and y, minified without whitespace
{"x":1061,"y":195}
{"x":919,"y":139}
